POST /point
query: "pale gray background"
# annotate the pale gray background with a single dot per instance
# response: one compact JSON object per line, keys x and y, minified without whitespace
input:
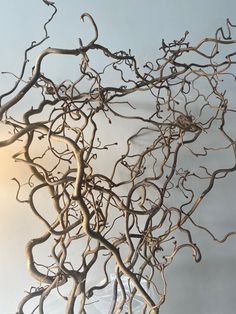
{"x":205,"y":288}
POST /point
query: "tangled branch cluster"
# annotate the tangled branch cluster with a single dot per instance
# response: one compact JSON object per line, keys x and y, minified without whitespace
{"x":119,"y":208}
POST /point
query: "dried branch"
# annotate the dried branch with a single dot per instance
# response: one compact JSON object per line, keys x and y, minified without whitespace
{"x":125,"y":219}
